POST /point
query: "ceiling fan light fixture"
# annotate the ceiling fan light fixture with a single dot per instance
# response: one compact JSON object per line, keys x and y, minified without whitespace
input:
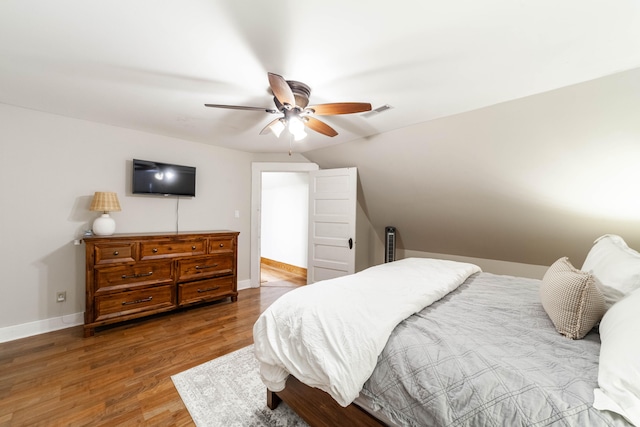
{"x":277,"y":128}
{"x":299,"y":136}
{"x":296,"y":128}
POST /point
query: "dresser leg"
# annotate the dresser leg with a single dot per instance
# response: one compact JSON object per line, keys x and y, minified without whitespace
{"x":89,"y":332}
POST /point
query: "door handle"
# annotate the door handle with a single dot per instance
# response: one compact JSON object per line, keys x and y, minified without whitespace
{"x":350,"y":243}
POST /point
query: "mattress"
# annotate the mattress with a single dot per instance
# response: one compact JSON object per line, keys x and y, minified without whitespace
{"x":487,"y":354}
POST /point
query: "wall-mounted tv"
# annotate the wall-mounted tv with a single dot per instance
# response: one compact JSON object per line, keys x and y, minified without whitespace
{"x":163,"y":178}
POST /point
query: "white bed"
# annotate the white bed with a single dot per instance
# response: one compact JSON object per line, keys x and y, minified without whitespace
{"x":432,"y":342}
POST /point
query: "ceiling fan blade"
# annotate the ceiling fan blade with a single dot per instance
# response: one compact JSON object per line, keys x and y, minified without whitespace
{"x":242,"y":107}
{"x":270,"y":127}
{"x":320,"y":127}
{"x":340,"y":108}
{"x":281,"y":90}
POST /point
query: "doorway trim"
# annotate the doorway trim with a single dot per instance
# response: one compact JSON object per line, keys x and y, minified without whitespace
{"x":257,"y":168}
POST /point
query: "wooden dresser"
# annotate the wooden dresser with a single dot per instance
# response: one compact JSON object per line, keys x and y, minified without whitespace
{"x":137,"y":275}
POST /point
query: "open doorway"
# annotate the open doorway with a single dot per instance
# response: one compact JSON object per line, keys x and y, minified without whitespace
{"x":284,"y":228}
{"x":258,"y":169}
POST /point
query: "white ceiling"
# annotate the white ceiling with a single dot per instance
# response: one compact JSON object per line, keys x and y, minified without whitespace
{"x":151,"y":65}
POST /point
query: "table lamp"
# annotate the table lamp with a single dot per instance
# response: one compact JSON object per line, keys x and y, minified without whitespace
{"x":104,"y":202}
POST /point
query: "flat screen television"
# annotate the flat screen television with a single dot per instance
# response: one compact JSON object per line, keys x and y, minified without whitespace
{"x":163,"y":179}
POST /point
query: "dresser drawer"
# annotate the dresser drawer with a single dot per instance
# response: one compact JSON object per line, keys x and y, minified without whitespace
{"x":106,"y":253}
{"x":199,"y":268}
{"x":221,"y":245}
{"x":119,"y":277}
{"x":172,"y":248}
{"x":203,"y":290}
{"x":126,"y":303}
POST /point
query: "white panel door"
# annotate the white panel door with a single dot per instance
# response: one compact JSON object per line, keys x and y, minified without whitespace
{"x":332,"y":223}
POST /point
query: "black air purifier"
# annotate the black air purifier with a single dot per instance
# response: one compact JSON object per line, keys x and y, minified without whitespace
{"x":390,"y":244}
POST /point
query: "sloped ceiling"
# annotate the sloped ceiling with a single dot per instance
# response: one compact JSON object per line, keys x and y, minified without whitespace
{"x":528,"y":181}
{"x":150,"y":65}
{"x":513,"y":133}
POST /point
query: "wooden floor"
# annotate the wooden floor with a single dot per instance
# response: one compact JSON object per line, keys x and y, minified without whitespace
{"x":270,"y":276}
{"x":121,"y":376}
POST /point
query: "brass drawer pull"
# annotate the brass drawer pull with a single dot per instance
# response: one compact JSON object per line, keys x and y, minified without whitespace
{"x":135,"y":276}
{"x":138,"y":301}
{"x":200,"y":267}
{"x":193,"y":248}
{"x":215,"y":288}
{"x":222,"y":245}
{"x":116,"y":253}
{"x":154,"y":250}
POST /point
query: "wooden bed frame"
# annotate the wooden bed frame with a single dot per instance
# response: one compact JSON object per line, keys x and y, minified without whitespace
{"x":317,"y":408}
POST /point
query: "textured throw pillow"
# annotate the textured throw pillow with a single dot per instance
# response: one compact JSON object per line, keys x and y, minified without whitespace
{"x":571,"y":299}
{"x":615,"y":265}
{"x":619,"y":367}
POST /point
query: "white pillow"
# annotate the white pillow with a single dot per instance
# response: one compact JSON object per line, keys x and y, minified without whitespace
{"x":619,"y":368}
{"x":615,"y":265}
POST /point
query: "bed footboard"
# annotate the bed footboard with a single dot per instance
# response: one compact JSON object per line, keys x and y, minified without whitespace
{"x":317,"y":408}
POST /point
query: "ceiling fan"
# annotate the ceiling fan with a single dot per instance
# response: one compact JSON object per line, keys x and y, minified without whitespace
{"x":291,"y":99}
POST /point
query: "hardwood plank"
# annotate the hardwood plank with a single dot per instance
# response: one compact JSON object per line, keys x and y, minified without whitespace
{"x":271,"y":274}
{"x":282,"y":266}
{"x":122,"y":375}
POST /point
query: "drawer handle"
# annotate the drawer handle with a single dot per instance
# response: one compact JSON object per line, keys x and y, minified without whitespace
{"x":116,"y":253}
{"x":200,"y":267}
{"x":222,"y":245}
{"x":193,"y":248}
{"x":138,"y":301}
{"x":154,"y":250}
{"x":135,"y":276}
{"x":215,"y":288}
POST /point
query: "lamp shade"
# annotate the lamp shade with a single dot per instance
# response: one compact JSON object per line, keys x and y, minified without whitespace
{"x":105,"y":202}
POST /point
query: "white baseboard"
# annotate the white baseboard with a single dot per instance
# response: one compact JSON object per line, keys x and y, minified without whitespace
{"x":24,"y":330}
{"x":11,"y":333}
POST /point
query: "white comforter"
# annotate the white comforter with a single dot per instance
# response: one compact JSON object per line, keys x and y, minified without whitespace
{"x":329,"y":334}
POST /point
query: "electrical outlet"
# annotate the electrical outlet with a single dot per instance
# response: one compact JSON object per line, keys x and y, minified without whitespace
{"x":61,"y":296}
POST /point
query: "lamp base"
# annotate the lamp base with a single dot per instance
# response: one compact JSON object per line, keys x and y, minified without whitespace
{"x":104,"y":225}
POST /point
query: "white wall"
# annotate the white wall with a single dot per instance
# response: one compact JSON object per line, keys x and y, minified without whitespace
{"x":285,"y":217}
{"x":50,"y":166}
{"x":369,"y":246}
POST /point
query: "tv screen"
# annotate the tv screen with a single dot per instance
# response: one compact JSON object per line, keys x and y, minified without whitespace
{"x":163,"y":178}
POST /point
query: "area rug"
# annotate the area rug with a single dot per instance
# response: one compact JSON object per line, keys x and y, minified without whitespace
{"x":227,"y":391}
